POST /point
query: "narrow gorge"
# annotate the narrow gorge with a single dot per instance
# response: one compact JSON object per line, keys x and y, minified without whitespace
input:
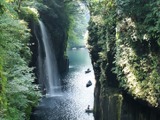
{"x":51,"y":49}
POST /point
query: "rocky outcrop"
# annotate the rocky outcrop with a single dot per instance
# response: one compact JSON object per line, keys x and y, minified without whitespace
{"x":124,"y":60}
{"x":56,"y":21}
{"x":53,"y":16}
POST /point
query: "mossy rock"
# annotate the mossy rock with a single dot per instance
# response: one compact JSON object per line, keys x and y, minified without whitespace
{"x":29,"y":14}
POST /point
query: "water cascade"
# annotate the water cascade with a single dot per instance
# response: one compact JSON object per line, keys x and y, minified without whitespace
{"x":48,"y":71}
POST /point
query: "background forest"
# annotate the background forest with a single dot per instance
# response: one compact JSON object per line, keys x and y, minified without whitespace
{"x":78,"y":15}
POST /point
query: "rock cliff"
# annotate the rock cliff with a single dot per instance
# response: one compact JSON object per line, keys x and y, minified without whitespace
{"x":124,"y":50}
{"x":53,"y":16}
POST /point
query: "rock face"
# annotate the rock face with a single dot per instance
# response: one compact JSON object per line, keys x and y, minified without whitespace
{"x":124,"y":61}
{"x":53,"y":15}
{"x":56,"y":21}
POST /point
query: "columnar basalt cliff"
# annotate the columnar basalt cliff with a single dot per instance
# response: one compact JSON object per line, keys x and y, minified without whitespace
{"x":124,"y":46}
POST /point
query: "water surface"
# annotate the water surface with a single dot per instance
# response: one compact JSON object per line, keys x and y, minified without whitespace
{"x":75,"y":96}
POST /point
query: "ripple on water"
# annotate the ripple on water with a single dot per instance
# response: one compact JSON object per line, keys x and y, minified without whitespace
{"x":75,"y":96}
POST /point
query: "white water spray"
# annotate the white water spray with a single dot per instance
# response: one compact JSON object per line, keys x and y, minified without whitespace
{"x":50,"y":64}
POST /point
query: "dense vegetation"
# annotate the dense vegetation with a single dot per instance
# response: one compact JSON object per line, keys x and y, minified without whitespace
{"x":126,"y":35}
{"x":18,"y":94}
{"x":78,"y":15}
{"x":124,"y":43}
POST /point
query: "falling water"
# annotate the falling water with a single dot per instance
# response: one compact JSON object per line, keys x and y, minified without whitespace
{"x":52,"y":80}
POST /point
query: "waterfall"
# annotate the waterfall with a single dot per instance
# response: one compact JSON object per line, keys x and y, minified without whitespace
{"x":48,"y":70}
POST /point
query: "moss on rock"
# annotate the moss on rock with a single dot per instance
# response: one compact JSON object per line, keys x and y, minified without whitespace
{"x":125,"y":55}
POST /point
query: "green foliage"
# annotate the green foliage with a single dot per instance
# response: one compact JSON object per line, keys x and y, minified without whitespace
{"x":29,"y":14}
{"x":18,"y":94}
{"x":3,"y":103}
{"x":137,"y":50}
{"x":127,"y":31}
{"x":2,"y":6}
{"x":78,"y":21}
{"x":152,"y":21}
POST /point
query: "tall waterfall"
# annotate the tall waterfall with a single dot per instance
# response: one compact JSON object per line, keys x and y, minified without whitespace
{"x":48,"y":71}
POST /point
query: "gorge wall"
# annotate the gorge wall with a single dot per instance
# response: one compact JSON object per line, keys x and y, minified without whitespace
{"x":124,"y":46}
{"x":52,"y":13}
{"x":19,"y":32}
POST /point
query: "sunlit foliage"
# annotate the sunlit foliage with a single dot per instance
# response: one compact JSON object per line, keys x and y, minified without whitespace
{"x":128,"y":32}
{"x":18,"y":94}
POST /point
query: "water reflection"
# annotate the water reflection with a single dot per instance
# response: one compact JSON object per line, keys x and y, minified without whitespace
{"x":71,"y":104}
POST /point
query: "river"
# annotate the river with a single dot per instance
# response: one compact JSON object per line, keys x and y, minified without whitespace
{"x":75,"y":96}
